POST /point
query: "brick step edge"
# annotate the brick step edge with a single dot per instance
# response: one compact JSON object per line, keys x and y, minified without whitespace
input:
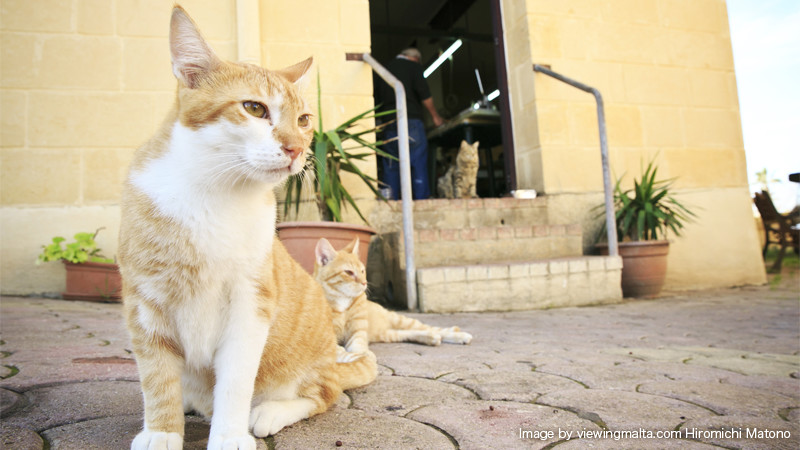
{"x":438,"y":204}
{"x":496,"y":233}
{"x":514,"y":286}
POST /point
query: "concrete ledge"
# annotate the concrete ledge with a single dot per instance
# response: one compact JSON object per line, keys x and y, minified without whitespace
{"x":579,"y":281}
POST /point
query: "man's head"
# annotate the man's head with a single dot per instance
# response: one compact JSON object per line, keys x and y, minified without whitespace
{"x":412,"y":54}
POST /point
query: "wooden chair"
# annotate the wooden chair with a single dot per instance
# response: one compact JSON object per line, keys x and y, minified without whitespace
{"x":777,"y":228}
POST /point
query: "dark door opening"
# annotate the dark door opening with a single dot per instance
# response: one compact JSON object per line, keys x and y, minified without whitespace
{"x":469,"y":88}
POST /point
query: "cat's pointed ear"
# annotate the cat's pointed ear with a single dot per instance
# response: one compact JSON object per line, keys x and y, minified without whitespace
{"x":324,"y":252}
{"x":191,"y":55}
{"x":352,"y":247}
{"x":475,"y":144}
{"x":298,"y":73}
{"x":464,"y":143}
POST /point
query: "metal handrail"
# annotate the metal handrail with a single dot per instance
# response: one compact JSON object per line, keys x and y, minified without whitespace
{"x":611,"y":227}
{"x":405,"y":171}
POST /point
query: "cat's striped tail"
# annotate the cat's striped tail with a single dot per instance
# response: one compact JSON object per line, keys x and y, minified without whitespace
{"x":360,"y":372}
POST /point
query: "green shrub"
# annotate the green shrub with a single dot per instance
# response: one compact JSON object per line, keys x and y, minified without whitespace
{"x":84,"y":249}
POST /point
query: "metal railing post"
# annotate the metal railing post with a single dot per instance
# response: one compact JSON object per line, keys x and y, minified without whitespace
{"x":611,"y":226}
{"x":405,"y":172}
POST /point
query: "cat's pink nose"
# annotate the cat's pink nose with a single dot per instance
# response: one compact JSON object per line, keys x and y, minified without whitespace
{"x":292,"y":152}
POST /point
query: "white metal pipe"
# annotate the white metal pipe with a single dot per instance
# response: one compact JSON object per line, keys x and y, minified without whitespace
{"x":611,"y":223}
{"x":405,"y":177}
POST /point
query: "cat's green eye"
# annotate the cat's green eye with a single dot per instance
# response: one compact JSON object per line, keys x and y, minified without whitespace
{"x":256,"y":109}
{"x":304,"y":121}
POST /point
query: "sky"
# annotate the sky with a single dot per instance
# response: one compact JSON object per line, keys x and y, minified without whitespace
{"x":765,"y":35}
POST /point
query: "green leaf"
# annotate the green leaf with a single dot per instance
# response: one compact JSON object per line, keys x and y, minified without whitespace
{"x":331,"y":157}
{"x":648,"y":210}
{"x":82,"y":250}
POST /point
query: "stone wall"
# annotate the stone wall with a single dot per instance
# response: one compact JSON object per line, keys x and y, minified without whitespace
{"x":83,"y":83}
{"x":665,"y":70}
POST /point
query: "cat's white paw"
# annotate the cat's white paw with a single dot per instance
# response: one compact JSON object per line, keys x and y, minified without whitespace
{"x":271,"y":416}
{"x":157,"y":440}
{"x":457,"y":337}
{"x":347,"y":357}
{"x":433,"y":339}
{"x":221,"y":442}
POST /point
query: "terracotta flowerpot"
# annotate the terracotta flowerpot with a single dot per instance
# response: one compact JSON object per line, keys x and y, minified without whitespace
{"x":97,"y":282}
{"x":300,"y":239}
{"x":644,"y":267}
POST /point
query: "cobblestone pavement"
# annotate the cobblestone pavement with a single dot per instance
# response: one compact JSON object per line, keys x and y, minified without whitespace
{"x":705,"y":369}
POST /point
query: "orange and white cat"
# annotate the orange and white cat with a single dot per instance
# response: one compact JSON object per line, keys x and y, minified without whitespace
{"x":358,"y":321}
{"x":222,"y":320}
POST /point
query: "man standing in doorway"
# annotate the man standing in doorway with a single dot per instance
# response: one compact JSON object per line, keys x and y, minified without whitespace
{"x":408,"y":69}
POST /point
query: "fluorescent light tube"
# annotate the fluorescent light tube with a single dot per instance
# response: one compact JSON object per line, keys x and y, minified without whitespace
{"x":493,"y":95}
{"x":447,"y":53}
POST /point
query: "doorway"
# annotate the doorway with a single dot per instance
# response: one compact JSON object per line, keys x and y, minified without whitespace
{"x":469,"y":87}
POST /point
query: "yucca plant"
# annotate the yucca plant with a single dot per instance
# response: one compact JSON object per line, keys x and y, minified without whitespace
{"x":648,"y":210}
{"x":335,"y":151}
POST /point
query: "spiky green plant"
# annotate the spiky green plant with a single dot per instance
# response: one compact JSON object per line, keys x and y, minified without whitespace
{"x":331,"y":158}
{"x":648,"y":210}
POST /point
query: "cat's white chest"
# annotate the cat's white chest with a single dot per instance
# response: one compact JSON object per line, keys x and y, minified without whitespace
{"x":230,"y":229}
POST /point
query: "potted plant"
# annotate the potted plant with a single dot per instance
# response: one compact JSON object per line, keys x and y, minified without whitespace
{"x":335,"y":151}
{"x":90,"y":275}
{"x":644,"y":215}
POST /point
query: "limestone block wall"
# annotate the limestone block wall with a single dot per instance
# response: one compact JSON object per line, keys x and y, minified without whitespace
{"x":521,"y":285}
{"x":665,"y":70}
{"x":325,"y":30}
{"x":83,"y":83}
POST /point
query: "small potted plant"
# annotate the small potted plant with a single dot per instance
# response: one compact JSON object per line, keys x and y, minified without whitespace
{"x":335,"y":151}
{"x":644,"y":215}
{"x":90,"y":275}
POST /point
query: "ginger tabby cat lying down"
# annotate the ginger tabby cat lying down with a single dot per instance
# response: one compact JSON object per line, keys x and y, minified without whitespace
{"x":222,"y":320}
{"x":358,"y":321}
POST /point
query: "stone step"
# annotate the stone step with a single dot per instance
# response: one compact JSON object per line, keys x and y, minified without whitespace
{"x":443,"y":247}
{"x":540,"y":284}
{"x":462,"y":213}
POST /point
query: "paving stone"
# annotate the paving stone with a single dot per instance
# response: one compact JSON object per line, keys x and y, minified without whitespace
{"x":787,"y":386}
{"x":737,"y":432}
{"x":53,"y":406}
{"x":622,"y":410}
{"x":401,"y":395}
{"x":12,"y":438}
{"x":360,"y":429}
{"x":724,"y":399}
{"x":383,"y":370}
{"x":793,"y":415}
{"x":634,"y":444}
{"x":344,"y":401}
{"x":9,"y":401}
{"x":748,"y":363}
{"x":627,"y":376}
{"x":94,"y":434}
{"x":611,"y":349}
{"x":500,"y":425}
{"x":518,"y":386}
{"x":47,"y":337}
{"x":7,"y":371}
{"x":70,"y":364}
{"x":415,"y":360}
